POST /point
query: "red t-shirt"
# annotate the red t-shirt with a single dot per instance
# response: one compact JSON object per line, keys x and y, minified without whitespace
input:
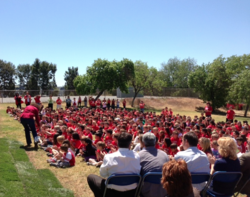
{"x":108,"y":140}
{"x":166,"y":149}
{"x":176,"y":141}
{"x":209,"y":109}
{"x":59,"y":101}
{"x":37,"y":99}
{"x":142,"y":105}
{"x":230,"y":114}
{"x":89,"y":135}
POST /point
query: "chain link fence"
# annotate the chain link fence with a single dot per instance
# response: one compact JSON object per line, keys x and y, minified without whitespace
{"x":7,"y":96}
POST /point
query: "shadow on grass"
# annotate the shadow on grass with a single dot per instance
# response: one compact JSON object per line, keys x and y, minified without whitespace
{"x":28,"y":148}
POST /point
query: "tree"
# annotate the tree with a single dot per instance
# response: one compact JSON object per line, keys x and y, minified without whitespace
{"x":155,"y":82}
{"x":23,"y":73}
{"x":140,"y":81}
{"x":240,"y":90}
{"x":69,"y":77}
{"x":7,"y":75}
{"x":42,"y":75}
{"x":175,"y":72}
{"x":47,"y":76}
{"x":104,"y":75}
{"x":212,"y":82}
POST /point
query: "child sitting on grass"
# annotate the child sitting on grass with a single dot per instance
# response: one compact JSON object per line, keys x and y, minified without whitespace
{"x":67,"y":158}
{"x":100,"y":153}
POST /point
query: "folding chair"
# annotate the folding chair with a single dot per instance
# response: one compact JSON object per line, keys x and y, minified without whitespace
{"x":150,"y":177}
{"x":242,"y":188}
{"x":199,"y":177}
{"x":122,"y":180}
{"x":227,"y":179}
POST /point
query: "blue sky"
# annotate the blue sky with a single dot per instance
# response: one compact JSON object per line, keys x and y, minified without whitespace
{"x":76,"y":32}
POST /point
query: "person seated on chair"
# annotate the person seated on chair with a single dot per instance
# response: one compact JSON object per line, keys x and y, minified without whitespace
{"x":176,"y":180}
{"x":229,"y":161}
{"x":152,"y":160}
{"x":196,"y":160}
{"x":123,"y":161}
{"x":245,"y":169}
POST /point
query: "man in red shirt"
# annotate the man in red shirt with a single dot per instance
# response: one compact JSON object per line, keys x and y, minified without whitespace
{"x":230,"y":114}
{"x":27,"y":120}
{"x":208,"y":110}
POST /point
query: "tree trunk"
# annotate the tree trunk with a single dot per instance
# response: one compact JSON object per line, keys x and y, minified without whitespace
{"x":100,"y":93}
{"x":245,"y":114}
{"x":134,"y":99}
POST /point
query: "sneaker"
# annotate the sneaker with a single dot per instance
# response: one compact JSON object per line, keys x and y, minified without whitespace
{"x":88,"y":163}
{"x":49,"y":154}
{"x":51,"y":160}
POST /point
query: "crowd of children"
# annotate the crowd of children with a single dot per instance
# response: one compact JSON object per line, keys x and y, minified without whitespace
{"x":91,"y":132}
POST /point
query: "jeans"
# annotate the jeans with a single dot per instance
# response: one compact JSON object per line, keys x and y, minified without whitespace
{"x":29,"y":124}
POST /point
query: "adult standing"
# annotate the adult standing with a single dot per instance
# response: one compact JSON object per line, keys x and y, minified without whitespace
{"x":142,"y":105}
{"x":68,"y":102}
{"x":59,"y":103}
{"x":27,"y":120}
{"x":230,"y":114}
{"x":27,"y":99}
{"x":85,"y":101}
{"x":50,"y":102}
{"x":79,"y":101}
{"x":151,"y":160}
{"x":123,"y":161}
{"x":124,"y":104}
{"x":113,"y":104}
{"x":18,"y":100}
{"x":197,"y":161}
{"x":208,"y":110}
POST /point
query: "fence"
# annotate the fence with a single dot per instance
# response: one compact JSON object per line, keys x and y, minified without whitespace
{"x":8,"y":95}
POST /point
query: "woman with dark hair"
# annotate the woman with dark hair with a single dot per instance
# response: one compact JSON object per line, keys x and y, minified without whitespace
{"x":27,"y":120}
{"x":176,"y":180}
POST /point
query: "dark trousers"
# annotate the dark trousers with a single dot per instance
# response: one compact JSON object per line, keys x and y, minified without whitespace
{"x":97,"y":185}
{"x":27,"y":104}
{"x":51,"y":106}
{"x":29,"y":124}
{"x":19,"y":105}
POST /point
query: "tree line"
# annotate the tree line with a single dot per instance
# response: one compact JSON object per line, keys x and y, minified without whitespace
{"x":220,"y":81}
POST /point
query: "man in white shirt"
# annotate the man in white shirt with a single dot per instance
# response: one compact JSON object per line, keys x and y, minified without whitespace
{"x":124,"y":161}
{"x":196,"y":160}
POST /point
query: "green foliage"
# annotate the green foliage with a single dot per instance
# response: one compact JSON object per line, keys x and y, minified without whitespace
{"x":240,"y":90}
{"x":212,"y":82}
{"x":42,"y":75}
{"x":69,"y":77}
{"x":155,"y":82}
{"x":175,"y":72}
{"x":105,"y":75}
{"x":7,"y":75}
{"x":23,"y":73}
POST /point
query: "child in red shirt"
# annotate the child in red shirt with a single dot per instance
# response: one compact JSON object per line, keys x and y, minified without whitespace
{"x":174,"y":149}
{"x":166,"y":146}
{"x":67,"y":159}
{"x":108,"y":139}
{"x":59,"y":103}
{"x":175,"y":139}
{"x":37,"y":99}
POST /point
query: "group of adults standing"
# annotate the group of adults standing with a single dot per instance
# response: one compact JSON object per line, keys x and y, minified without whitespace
{"x":18,"y":99}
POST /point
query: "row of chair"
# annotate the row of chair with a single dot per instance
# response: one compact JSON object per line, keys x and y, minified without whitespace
{"x":226,"y":178}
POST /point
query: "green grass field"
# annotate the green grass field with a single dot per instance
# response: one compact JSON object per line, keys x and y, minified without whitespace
{"x":18,"y":176}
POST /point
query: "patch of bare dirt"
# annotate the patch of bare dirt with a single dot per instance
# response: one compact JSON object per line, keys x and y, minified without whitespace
{"x":185,"y":104}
